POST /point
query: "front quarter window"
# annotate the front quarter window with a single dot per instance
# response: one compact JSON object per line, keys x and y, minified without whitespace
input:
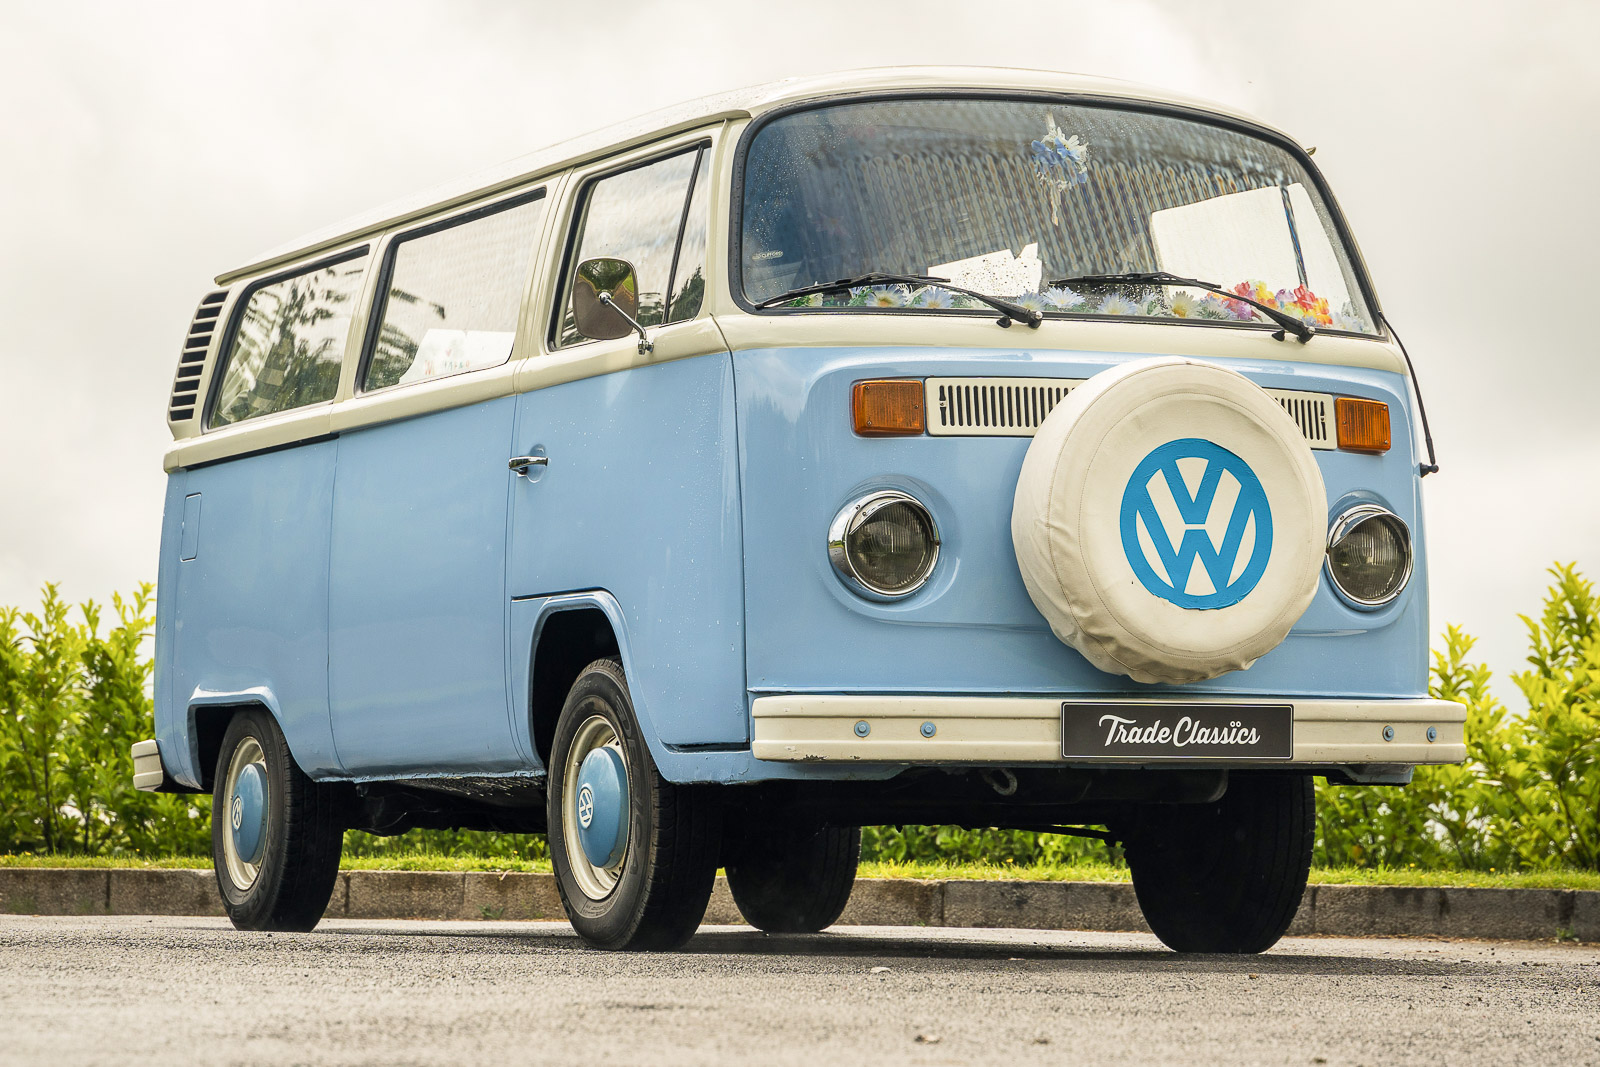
{"x":1009,"y":196}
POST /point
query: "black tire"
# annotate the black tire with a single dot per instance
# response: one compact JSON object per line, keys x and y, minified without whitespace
{"x":303,"y":835}
{"x":1226,"y":876}
{"x":794,"y":878}
{"x":664,"y":879}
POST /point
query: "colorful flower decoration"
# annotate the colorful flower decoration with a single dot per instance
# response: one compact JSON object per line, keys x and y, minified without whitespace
{"x":1060,"y":162}
{"x":1160,"y":303}
{"x":1299,"y":301}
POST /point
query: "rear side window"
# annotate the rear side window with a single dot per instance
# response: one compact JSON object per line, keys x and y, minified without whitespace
{"x":452,"y":295}
{"x":640,"y":215}
{"x":288,"y":346}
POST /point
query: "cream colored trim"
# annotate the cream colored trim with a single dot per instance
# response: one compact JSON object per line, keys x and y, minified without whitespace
{"x":425,"y":397}
{"x":681,"y":340}
{"x":737,"y":104}
{"x":942,"y":330}
{"x":252,"y":435}
{"x":147,"y":772}
{"x":821,"y":727}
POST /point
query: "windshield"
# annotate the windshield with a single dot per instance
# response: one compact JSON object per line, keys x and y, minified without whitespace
{"x":1003,"y":196}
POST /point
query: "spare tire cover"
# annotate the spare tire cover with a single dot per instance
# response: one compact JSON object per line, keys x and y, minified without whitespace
{"x":1169,"y":521}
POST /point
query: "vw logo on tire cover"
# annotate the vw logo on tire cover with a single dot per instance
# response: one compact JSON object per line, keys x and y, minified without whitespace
{"x":585,"y":805}
{"x":1196,"y":524}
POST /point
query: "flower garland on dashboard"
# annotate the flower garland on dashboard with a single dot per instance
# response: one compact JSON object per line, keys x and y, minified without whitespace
{"x":1122,"y":302}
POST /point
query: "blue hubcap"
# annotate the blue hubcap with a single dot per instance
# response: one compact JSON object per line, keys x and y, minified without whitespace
{"x":247,"y":814}
{"x":603,"y":807}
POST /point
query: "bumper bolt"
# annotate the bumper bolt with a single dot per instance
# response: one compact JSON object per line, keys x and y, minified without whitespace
{"x":1433,"y":733}
{"x":1388,"y":733}
{"x":863,"y":728}
{"x":928,"y":729}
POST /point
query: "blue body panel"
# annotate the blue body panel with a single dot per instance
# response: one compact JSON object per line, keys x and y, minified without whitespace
{"x":417,"y":604}
{"x":973,"y":629}
{"x":245,"y":621}
{"x":641,"y":500}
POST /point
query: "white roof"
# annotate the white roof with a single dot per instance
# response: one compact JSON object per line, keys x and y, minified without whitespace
{"x":735,"y":104}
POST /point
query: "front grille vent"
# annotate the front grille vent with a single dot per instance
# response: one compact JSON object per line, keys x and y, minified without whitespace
{"x":192,"y":360}
{"x":1014,"y":407}
{"x":992,"y":407}
{"x":1312,"y":412}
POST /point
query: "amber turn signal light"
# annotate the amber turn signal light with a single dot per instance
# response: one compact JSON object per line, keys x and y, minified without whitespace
{"x":887,"y":407}
{"x":1363,"y":424}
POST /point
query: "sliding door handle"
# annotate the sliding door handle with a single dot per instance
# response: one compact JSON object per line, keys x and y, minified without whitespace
{"x":520,"y":464}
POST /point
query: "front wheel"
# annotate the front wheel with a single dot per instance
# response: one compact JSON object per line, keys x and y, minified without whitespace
{"x":276,"y":835}
{"x":1226,"y":876}
{"x":635,"y":856}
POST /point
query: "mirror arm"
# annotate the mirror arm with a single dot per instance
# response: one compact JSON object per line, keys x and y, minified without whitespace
{"x":646,"y":346}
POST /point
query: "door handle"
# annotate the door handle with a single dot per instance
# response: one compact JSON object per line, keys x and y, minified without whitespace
{"x":520,"y":464}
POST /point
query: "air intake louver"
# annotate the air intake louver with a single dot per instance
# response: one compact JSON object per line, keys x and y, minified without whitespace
{"x":1312,"y":412}
{"x":1014,"y":407}
{"x":192,"y":361}
{"x":992,"y":407}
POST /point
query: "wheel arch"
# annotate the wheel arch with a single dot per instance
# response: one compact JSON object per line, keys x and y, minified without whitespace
{"x":571,"y":632}
{"x":209,"y":714}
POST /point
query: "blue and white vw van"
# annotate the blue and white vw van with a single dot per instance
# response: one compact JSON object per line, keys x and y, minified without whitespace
{"x":985,"y":447}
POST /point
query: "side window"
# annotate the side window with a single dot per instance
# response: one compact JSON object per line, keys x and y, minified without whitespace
{"x":689,"y":270}
{"x":452,"y":295}
{"x":289,"y":345}
{"x":636,"y":215}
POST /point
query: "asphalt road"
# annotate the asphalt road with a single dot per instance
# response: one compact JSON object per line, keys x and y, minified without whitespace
{"x":130,"y":990}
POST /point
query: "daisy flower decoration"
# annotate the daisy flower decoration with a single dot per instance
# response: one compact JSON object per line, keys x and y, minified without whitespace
{"x":1060,"y":162}
{"x":1183,"y":306}
{"x":933,"y":297}
{"x":1117,"y":304}
{"x":887,"y":296}
{"x":1062,"y":298}
{"x":1033,"y":302}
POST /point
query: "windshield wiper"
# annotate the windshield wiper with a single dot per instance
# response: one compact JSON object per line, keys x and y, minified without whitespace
{"x":1009,"y":312}
{"x":1299,"y":327}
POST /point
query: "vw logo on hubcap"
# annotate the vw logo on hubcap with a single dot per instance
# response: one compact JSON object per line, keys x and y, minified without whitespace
{"x":236,"y":812}
{"x":585,"y":806}
{"x":1196,"y":525}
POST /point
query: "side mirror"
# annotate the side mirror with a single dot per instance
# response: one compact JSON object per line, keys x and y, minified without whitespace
{"x":605,"y":300}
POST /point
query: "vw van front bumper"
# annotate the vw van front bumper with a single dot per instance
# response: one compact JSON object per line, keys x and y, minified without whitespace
{"x":1364,"y":740}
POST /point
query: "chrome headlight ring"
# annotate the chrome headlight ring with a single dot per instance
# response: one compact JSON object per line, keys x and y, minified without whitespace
{"x":855,"y":515}
{"x":1342,"y":527}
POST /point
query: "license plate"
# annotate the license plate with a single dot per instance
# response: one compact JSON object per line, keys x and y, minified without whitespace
{"x":1177,"y":731}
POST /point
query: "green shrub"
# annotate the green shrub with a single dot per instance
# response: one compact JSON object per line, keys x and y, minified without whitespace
{"x":1528,"y":793}
{"x":72,"y":702}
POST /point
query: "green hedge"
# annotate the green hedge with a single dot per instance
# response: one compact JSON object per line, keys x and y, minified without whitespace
{"x":72,"y":702}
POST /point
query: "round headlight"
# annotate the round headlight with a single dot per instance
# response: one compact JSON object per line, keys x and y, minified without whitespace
{"x":1369,"y":555}
{"x":884,"y":545}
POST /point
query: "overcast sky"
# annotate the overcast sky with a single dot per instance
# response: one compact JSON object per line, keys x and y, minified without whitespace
{"x":146,"y":147}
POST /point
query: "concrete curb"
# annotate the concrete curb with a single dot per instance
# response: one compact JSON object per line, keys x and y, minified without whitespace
{"x":1327,"y":910}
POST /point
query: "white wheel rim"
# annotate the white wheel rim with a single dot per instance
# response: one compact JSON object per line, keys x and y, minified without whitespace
{"x":242,"y":874}
{"x":595,"y":882}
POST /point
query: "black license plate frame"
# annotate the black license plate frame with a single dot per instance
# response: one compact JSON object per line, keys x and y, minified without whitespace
{"x":1159,"y":731}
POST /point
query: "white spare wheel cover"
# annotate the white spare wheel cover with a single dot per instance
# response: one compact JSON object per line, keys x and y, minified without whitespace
{"x":1169,"y":521}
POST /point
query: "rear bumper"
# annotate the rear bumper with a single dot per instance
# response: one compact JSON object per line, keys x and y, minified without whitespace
{"x":1027,"y":729}
{"x":150,"y":774}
